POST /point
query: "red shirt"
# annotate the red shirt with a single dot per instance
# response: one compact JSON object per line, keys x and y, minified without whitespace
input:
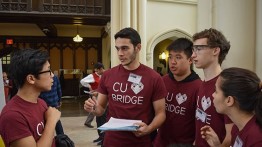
{"x":179,"y":127}
{"x":249,"y":136}
{"x":131,"y":100}
{"x":20,"y":119}
{"x":94,"y":85}
{"x":206,"y":113}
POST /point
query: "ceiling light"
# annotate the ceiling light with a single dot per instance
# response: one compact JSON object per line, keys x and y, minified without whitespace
{"x":77,"y":38}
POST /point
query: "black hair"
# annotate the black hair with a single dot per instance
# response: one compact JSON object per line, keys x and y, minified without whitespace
{"x":129,"y":33}
{"x":244,"y":86}
{"x":98,"y":65}
{"x":215,"y":39}
{"x":181,"y":45}
{"x":26,"y":61}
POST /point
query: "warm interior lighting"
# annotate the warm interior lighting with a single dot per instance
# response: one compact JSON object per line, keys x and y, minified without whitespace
{"x":77,"y":38}
{"x":163,"y":55}
{"x":162,"y":59}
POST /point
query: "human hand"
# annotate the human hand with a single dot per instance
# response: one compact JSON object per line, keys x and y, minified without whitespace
{"x":142,"y":130}
{"x":90,"y":104}
{"x":94,"y":93}
{"x":210,"y":136}
{"x":52,"y":115}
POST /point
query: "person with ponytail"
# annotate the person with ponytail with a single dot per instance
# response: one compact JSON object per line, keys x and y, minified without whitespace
{"x":238,"y":95}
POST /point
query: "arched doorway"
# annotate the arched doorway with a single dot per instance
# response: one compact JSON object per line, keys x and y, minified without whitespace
{"x":158,"y":45}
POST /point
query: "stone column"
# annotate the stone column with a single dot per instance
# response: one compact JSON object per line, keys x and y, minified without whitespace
{"x":126,"y":13}
{"x":125,"y":16}
{"x":142,"y":29}
{"x":259,"y":38}
{"x":237,"y":21}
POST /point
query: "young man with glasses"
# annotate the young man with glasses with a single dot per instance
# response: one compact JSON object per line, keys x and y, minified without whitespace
{"x":53,"y":99}
{"x":210,"y":48}
{"x":26,"y":120}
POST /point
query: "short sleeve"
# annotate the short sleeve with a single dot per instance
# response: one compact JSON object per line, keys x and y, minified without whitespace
{"x":15,"y":127}
{"x":160,"y":89}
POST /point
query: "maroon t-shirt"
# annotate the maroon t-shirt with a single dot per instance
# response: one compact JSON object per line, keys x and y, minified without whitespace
{"x":206,"y":113}
{"x":131,"y":95}
{"x":179,"y":126}
{"x":20,"y":119}
{"x":249,"y":136}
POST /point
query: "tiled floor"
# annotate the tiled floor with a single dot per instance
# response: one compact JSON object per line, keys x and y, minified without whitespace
{"x":73,"y":118}
{"x":73,"y":106}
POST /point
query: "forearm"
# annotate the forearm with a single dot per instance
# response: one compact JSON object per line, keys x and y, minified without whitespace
{"x":160,"y":114}
{"x":47,"y":137}
{"x":157,"y":122}
{"x":226,"y":142}
{"x":98,"y":110}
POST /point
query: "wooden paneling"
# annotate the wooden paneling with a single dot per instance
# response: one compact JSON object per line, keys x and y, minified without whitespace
{"x":55,"y":58}
{"x":92,"y":57}
{"x":64,"y":53}
{"x":68,"y":61}
{"x":80,"y":59}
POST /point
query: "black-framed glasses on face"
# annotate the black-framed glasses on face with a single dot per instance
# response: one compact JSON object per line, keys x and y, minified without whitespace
{"x":197,"y":48}
{"x":50,"y":72}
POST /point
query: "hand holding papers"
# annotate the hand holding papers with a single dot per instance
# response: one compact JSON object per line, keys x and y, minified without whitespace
{"x":88,"y":92}
{"x":115,"y":124}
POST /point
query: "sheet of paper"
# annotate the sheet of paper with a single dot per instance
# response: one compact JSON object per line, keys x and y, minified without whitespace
{"x":115,"y":124}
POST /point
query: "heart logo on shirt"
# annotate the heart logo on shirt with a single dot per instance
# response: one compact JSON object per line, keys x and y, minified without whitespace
{"x":181,"y":98}
{"x":206,"y":103}
{"x":137,"y":87}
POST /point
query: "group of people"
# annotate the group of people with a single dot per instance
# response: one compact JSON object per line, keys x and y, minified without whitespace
{"x":177,"y":110}
{"x":223,"y":109}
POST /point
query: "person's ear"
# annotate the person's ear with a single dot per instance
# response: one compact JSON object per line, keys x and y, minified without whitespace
{"x":30,"y":79}
{"x":230,"y":101}
{"x":138,"y":47}
{"x":190,"y":60}
{"x":216,"y":50}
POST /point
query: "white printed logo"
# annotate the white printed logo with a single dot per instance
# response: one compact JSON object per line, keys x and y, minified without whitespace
{"x":40,"y":127}
{"x":181,"y":98}
{"x":206,"y":103}
{"x":137,"y":87}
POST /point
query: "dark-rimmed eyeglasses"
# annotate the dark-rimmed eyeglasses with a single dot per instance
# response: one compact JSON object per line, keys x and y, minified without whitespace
{"x":50,"y":72}
{"x":197,"y":48}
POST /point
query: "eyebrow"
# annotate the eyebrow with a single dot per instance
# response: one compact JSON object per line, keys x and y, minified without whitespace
{"x":120,"y":47}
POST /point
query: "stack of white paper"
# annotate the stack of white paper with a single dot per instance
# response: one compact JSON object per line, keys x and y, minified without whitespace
{"x":115,"y":124}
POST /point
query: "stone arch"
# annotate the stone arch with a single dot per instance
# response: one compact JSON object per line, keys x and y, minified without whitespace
{"x":174,"y":33}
